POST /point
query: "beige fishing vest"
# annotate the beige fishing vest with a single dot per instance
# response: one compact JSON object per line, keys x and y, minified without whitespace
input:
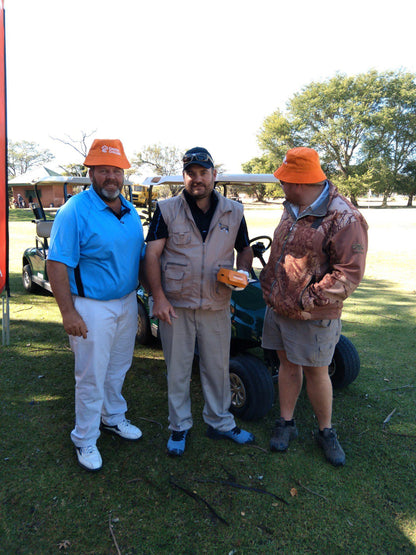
{"x":189,"y":265}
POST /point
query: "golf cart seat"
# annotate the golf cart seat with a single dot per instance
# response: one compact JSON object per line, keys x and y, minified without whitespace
{"x":43,"y":228}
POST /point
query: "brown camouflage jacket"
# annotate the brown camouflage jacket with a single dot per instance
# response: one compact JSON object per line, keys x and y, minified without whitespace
{"x":317,"y":259}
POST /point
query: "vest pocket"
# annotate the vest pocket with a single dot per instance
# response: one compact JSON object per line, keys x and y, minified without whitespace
{"x":174,"y":278}
{"x":181,"y":237}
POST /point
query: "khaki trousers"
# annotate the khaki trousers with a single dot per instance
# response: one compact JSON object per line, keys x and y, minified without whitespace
{"x":212,"y":331}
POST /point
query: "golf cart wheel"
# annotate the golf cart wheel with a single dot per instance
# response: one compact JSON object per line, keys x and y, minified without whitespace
{"x":345,"y":365}
{"x":143,"y":335}
{"x":28,"y":283}
{"x":252,"y":390}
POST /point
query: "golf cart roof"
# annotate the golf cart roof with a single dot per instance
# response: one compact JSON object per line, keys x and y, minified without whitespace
{"x":70,"y":180}
{"x":222,"y":179}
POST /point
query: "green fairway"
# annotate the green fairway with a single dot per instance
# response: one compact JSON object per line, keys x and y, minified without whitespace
{"x":239,"y":500}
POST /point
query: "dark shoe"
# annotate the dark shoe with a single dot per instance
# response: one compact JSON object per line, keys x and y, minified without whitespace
{"x":177,"y":442}
{"x":283,"y":433}
{"x":124,"y":429}
{"x":334,"y":453}
{"x":239,"y":436}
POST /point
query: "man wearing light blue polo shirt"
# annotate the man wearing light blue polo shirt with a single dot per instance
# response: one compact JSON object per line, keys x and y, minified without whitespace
{"x":93,"y":266}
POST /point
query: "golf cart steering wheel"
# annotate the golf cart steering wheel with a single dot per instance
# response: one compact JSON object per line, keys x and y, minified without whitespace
{"x":259,"y":248}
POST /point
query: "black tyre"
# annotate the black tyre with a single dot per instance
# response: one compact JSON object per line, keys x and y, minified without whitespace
{"x":252,"y":390}
{"x":28,"y":283}
{"x":345,"y":365}
{"x":143,"y":335}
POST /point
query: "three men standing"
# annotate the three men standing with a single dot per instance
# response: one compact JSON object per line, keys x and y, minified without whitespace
{"x":317,"y":260}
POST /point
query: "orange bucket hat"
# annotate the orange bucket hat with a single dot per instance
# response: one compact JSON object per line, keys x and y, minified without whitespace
{"x":107,"y":152}
{"x":301,"y":165}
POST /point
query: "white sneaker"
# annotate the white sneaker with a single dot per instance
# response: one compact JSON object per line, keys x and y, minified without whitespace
{"x":89,"y":458}
{"x":123,"y":429}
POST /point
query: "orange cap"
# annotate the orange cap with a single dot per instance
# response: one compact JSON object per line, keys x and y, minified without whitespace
{"x":107,"y":152}
{"x":301,"y":165}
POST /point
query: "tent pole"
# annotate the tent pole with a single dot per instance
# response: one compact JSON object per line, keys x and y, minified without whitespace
{"x":5,"y":320}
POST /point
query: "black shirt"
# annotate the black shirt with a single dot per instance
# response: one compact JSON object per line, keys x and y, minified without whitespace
{"x":158,"y":228}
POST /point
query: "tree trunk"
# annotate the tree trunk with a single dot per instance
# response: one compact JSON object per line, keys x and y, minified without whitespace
{"x":410,"y":200}
{"x":353,"y":200}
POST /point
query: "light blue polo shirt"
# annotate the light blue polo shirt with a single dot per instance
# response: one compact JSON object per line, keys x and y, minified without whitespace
{"x":102,"y":252}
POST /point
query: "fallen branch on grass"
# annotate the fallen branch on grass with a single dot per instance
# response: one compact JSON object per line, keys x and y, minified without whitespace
{"x":150,"y":420}
{"x":387,"y":419}
{"x":311,"y":491}
{"x":411,"y":436}
{"x":233,"y":484}
{"x":400,"y":387}
{"x":198,"y":498}
{"x":259,"y":448}
{"x":113,"y":535}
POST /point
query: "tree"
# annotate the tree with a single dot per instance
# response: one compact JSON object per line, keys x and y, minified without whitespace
{"x":76,"y":170}
{"x":391,"y":142}
{"x":79,"y":145}
{"x":25,"y":155}
{"x":275,"y":138}
{"x":407,"y":182}
{"x":333,"y":117}
{"x":162,"y":160}
{"x":263,"y":164}
{"x":365,"y":121}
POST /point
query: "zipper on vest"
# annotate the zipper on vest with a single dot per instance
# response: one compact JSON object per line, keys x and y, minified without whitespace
{"x":201,"y":288}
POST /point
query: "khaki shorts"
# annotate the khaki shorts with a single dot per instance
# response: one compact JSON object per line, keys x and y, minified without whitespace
{"x":306,"y":342}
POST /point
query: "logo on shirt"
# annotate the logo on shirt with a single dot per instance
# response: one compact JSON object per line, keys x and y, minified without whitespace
{"x":223,"y":227}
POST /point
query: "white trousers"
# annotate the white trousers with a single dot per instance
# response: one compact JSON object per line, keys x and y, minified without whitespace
{"x":212,"y":329}
{"x":101,"y":364}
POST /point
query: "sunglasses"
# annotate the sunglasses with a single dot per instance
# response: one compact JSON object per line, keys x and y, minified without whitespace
{"x":197,"y":157}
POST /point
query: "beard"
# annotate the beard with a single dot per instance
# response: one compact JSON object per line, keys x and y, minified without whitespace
{"x":110,"y":195}
{"x":105,"y":194}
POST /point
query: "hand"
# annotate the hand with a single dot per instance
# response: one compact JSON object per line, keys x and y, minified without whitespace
{"x":74,"y":324}
{"x":163,"y":310}
{"x":235,"y":287}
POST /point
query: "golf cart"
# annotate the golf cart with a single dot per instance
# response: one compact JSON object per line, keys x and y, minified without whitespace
{"x":252,"y":376}
{"x":34,"y":272}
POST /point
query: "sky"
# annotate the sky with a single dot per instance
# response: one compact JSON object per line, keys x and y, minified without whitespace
{"x":185,"y":73}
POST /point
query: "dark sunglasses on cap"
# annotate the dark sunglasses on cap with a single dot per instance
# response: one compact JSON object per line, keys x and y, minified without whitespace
{"x":197,"y":157}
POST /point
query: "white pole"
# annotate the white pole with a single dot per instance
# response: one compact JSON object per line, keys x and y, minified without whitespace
{"x":5,"y":329}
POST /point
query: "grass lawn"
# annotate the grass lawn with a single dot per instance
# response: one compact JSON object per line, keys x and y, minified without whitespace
{"x":134,"y":505}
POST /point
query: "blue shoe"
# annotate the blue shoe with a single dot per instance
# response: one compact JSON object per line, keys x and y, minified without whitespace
{"x":177,"y":442}
{"x":237,"y":435}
